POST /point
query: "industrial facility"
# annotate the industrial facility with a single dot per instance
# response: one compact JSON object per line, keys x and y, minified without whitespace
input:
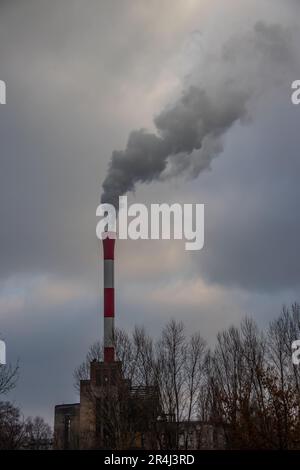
{"x":114,"y":414}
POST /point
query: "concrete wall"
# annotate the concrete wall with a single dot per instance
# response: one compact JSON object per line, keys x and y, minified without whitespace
{"x":66,"y":427}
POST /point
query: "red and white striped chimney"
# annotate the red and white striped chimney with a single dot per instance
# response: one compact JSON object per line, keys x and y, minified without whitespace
{"x":109,"y":297}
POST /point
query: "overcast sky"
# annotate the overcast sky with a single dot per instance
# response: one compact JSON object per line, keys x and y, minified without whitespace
{"x":80,"y":76}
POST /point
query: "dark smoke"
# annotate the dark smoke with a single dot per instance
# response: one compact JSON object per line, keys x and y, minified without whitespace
{"x":189,"y":133}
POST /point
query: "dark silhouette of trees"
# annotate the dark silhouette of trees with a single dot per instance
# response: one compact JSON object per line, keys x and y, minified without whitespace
{"x":12,"y":432}
{"x":253,"y":385}
{"x":17,"y":433}
{"x":37,"y":434}
{"x":247,"y":385}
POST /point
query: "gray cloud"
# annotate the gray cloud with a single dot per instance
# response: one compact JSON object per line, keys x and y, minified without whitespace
{"x":198,"y":120}
{"x":252,"y":217}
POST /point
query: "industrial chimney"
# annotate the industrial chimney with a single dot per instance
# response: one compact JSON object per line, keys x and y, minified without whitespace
{"x":109,"y":296}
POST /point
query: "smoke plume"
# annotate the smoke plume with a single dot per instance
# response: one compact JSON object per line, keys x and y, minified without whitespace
{"x":190,"y":132}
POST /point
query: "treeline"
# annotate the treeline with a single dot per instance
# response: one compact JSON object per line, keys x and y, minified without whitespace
{"x":16,"y":432}
{"x":246,"y":385}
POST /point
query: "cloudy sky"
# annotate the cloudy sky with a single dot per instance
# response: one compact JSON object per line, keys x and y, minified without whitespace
{"x":81,"y":76}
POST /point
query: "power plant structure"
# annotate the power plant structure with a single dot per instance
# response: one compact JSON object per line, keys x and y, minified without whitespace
{"x":112,"y":413}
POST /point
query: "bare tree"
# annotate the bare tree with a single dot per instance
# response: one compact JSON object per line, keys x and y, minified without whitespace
{"x":12,"y":435}
{"x":235,"y":379}
{"x":171,"y":353}
{"x":37,"y":434}
{"x":144,"y":358}
{"x":283,"y":378}
{"x":253,"y":387}
{"x":194,"y":371}
{"x":180,"y":371}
